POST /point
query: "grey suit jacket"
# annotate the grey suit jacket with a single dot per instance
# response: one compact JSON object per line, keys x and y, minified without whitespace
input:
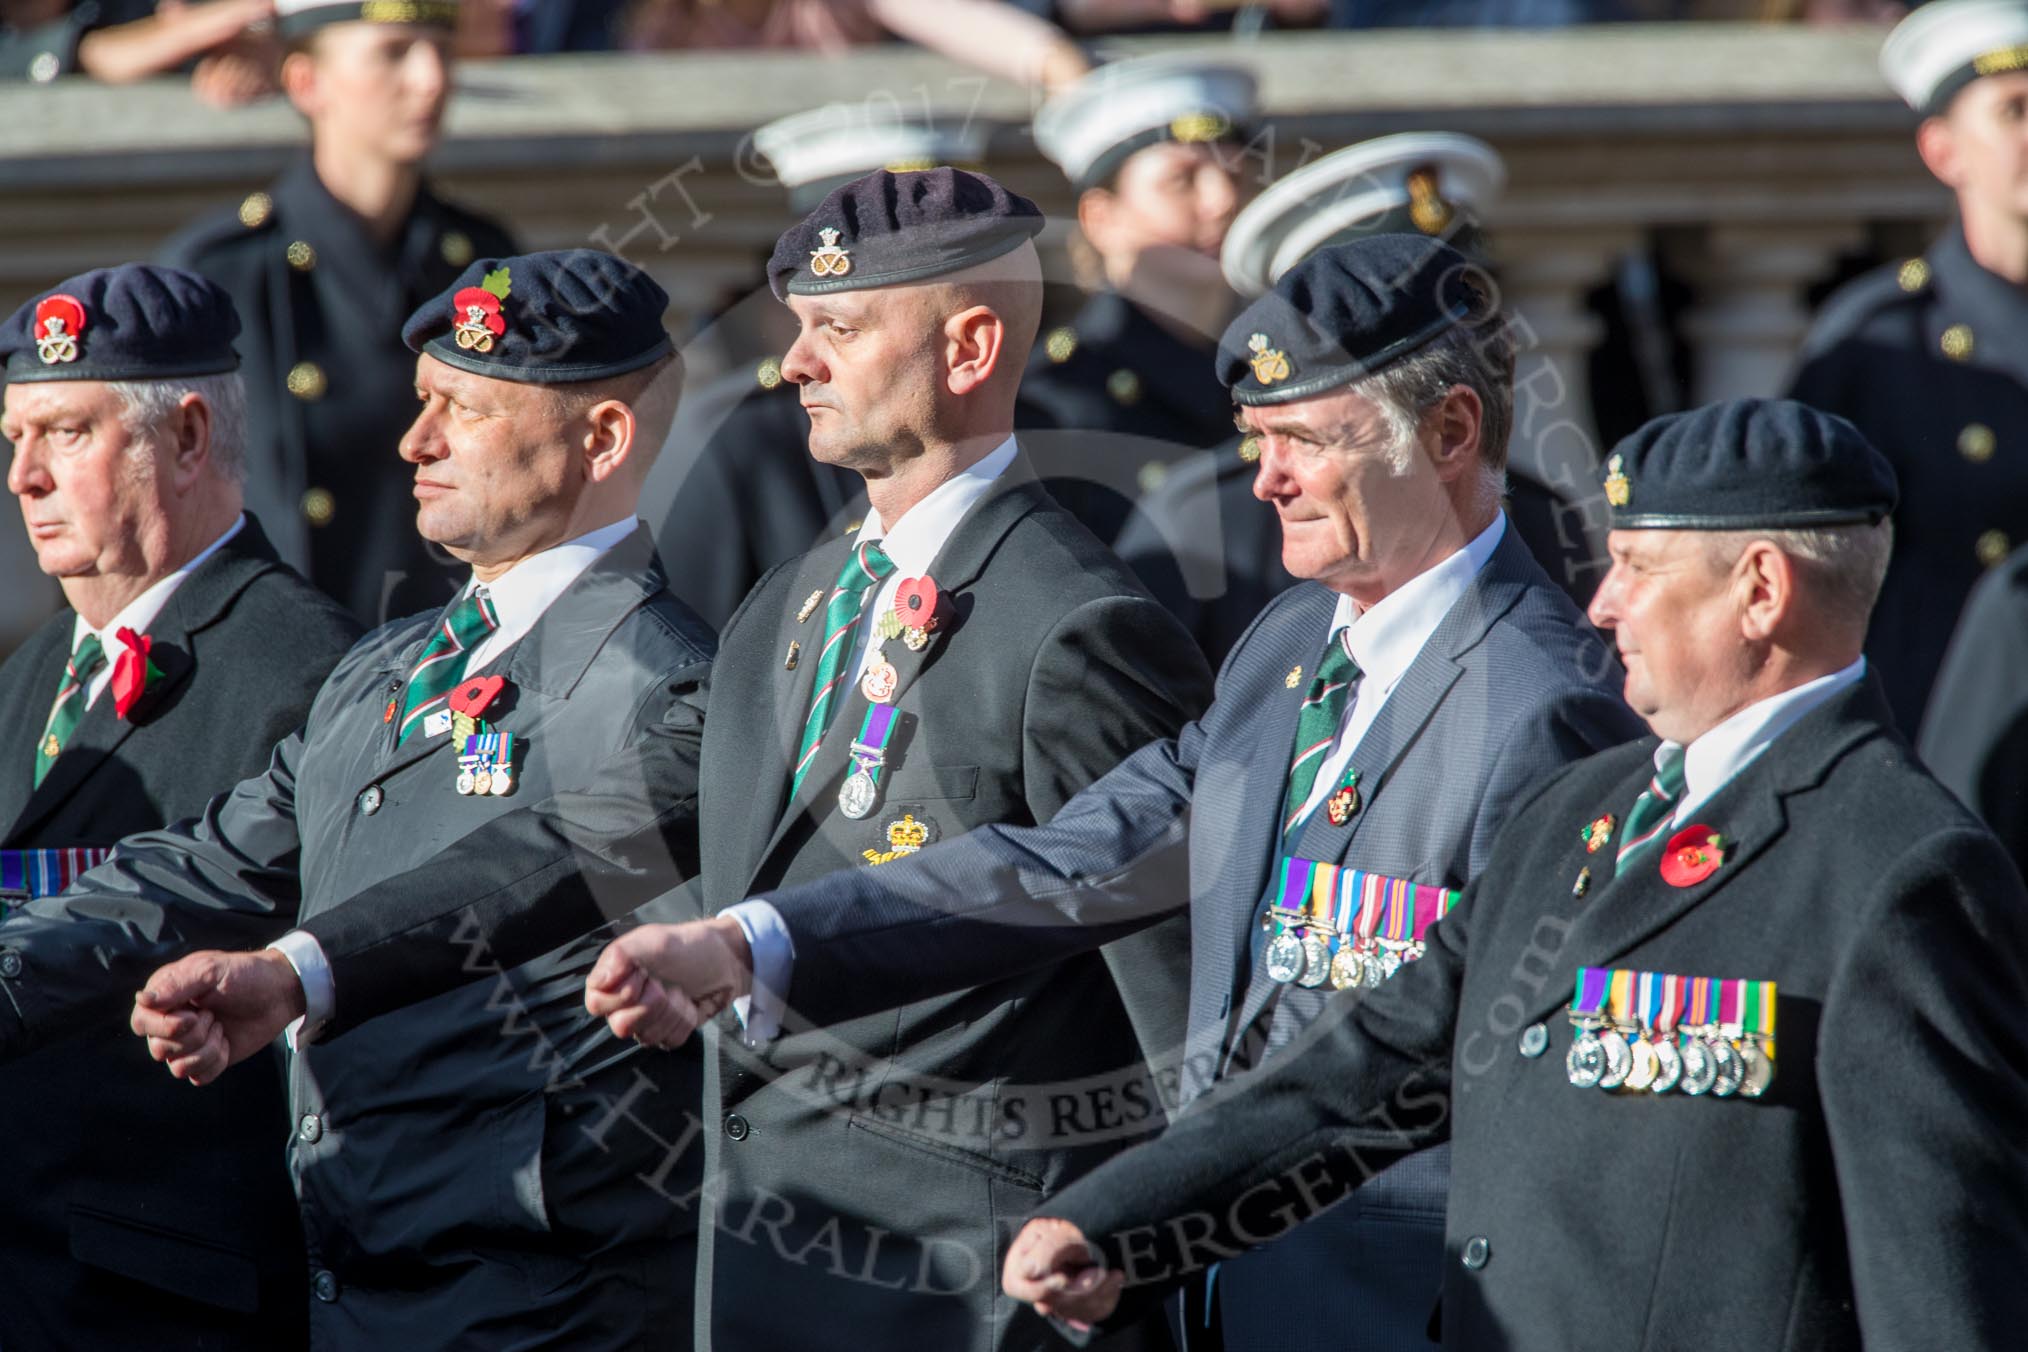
{"x":1512,"y":686}
{"x":462,"y":1168}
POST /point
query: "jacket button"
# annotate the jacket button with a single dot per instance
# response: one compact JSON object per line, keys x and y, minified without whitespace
{"x":1477,"y":1252}
{"x":324,"y":1286}
{"x":1534,"y":1040}
{"x":736,"y":1127}
{"x":310,"y":1130}
{"x":369,"y":802}
{"x":10,"y":965}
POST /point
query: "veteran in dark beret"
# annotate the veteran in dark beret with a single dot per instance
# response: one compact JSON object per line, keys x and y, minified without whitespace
{"x":1205,"y":544}
{"x":1727,"y":1037}
{"x":1371,"y":733}
{"x":1929,"y":356}
{"x":324,"y":264}
{"x":469,"y":1172}
{"x":184,"y":650}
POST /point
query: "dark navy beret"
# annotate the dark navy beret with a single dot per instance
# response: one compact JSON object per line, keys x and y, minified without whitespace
{"x":1747,"y":464}
{"x":545,"y":319}
{"x":133,"y":322}
{"x":888,"y":228}
{"x":1346,"y":312}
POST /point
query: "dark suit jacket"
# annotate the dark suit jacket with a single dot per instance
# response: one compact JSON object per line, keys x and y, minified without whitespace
{"x":884,"y":1156}
{"x":470,"y":1171}
{"x":1975,"y":735}
{"x":1511,"y":686}
{"x":138,"y":1210}
{"x":1873,"y":1196}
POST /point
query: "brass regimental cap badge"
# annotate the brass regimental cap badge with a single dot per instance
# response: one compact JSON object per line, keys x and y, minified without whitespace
{"x":1270,"y":365}
{"x":830,"y":260}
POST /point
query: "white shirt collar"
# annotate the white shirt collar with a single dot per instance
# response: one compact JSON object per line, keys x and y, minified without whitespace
{"x":140,"y":612}
{"x":1723,"y":752}
{"x":522,"y":593}
{"x":1387,"y":636}
{"x":913,"y":541}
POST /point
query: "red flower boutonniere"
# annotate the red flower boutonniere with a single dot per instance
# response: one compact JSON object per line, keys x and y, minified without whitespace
{"x":915,"y":605}
{"x":475,"y":696}
{"x":1692,"y":855}
{"x":133,"y":673}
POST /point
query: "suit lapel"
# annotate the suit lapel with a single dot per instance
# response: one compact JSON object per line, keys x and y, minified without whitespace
{"x":194,"y":606}
{"x":956,"y":567}
{"x":1750,"y":814}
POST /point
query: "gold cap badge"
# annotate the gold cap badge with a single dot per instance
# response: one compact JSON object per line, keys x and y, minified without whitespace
{"x":830,"y":261}
{"x":1270,"y":364}
{"x":1618,"y":490}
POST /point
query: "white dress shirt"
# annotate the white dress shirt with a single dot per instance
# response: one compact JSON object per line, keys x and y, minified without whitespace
{"x":1712,"y":760}
{"x":520,"y":596}
{"x":1387,"y":636}
{"x":913,"y":543}
{"x":139,"y":613}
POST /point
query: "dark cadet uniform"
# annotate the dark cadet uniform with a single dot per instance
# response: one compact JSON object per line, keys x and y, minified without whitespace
{"x":330,"y":388}
{"x":1929,"y":357}
{"x":106,"y":1241}
{"x":735,"y":491}
{"x":1975,"y":735}
{"x":1850,"y":959}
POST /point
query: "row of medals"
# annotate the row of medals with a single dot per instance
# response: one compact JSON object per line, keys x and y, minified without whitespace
{"x":478,"y":781}
{"x":1694,"y":1061}
{"x":1309,"y":960}
{"x":860,"y":794}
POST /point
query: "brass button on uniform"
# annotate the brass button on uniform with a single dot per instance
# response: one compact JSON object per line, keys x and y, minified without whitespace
{"x":1992,"y":547}
{"x":1249,"y":450}
{"x":1976,"y":443}
{"x":306,"y":380}
{"x":1957,"y":342}
{"x":1913,"y":275}
{"x":45,"y":67}
{"x":319,"y":506}
{"x":256,"y":209}
{"x":1124,"y":386}
{"x":768,"y":375}
{"x":302,"y":256}
{"x":1061,"y":344}
{"x":456,"y":247}
{"x":1151,"y":476}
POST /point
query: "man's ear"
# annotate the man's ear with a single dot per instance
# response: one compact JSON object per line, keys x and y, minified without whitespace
{"x":609,"y":430}
{"x":1456,"y":426}
{"x":1937,"y":142}
{"x":187,"y":438}
{"x":1765,"y":583}
{"x":975,"y":340}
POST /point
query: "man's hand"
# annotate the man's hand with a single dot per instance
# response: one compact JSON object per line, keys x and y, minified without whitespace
{"x":210,"y":1011}
{"x":1052,"y":1267}
{"x":658,"y":983}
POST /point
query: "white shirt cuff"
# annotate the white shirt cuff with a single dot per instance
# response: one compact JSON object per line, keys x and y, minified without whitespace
{"x":313,"y":969}
{"x":774,"y":961}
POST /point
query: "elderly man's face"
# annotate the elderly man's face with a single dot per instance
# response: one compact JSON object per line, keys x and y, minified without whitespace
{"x":1358,"y":513}
{"x":868,"y":364}
{"x":1675,"y":618}
{"x":88,"y":487}
{"x":496,"y":473}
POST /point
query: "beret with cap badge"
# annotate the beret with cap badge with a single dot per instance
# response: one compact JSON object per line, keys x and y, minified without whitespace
{"x":545,"y":318}
{"x":138,"y":321}
{"x":1747,"y":464}
{"x":888,"y":229}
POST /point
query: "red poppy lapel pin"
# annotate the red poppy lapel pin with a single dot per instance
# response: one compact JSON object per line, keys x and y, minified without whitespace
{"x":916,"y":606}
{"x":134,"y":672}
{"x":1692,"y":855}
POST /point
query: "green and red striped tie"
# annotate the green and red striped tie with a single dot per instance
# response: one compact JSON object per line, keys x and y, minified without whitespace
{"x":862,"y":572}
{"x":70,"y":703}
{"x":1652,"y":810}
{"x":1317,"y":725}
{"x":442,"y":665}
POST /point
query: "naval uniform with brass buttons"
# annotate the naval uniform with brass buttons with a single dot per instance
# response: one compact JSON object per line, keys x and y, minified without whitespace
{"x":1929,"y":357}
{"x":1115,"y":401}
{"x":451,"y":1191}
{"x":330,"y":387}
{"x":1871,"y":1197}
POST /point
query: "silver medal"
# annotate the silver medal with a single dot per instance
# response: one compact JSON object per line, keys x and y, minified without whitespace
{"x":464,"y":781}
{"x":1619,"y":1059}
{"x":482,"y":783}
{"x":1700,"y":1067}
{"x":1731,"y":1070}
{"x":1316,"y":962}
{"x":858,"y":795}
{"x":1285,"y":957}
{"x":1759,"y":1069}
{"x":503,"y":783}
{"x":1586,"y":1061}
{"x":1668,"y":1065}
